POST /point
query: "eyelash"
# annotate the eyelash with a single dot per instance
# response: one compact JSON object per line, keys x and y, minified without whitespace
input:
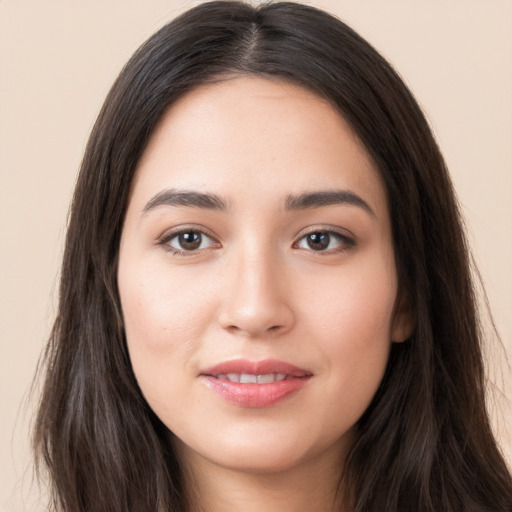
{"x":347,"y":243}
{"x":165,"y":240}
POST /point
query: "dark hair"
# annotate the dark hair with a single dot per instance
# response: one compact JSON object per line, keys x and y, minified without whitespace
{"x":425,"y":443}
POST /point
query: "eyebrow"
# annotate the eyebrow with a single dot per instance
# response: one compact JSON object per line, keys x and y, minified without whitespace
{"x":326,"y":198}
{"x":171,"y":197}
{"x":208,"y":201}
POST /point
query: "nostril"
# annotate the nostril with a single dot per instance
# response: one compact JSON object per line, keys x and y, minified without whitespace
{"x":256,"y":314}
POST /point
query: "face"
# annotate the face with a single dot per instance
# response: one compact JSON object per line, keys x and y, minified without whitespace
{"x":257,"y":276}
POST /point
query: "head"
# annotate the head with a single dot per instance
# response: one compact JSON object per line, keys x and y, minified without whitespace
{"x":430,"y":390}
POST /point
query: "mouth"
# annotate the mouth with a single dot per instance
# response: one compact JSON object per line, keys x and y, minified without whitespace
{"x":255,"y":383}
{"x":249,"y":378}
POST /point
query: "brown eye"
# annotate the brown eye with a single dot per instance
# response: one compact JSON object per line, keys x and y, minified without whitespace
{"x":325,"y":241}
{"x":189,"y":241}
{"x":318,"y":241}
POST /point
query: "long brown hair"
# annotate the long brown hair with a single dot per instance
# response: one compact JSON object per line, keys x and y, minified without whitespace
{"x":425,"y":443}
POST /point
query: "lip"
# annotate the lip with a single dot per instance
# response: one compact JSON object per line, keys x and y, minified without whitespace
{"x":255,"y":395}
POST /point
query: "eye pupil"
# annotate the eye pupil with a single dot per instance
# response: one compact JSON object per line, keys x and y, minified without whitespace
{"x":318,"y":241}
{"x":190,"y":240}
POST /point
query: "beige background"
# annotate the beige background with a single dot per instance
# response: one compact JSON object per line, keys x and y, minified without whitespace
{"x":57,"y":61}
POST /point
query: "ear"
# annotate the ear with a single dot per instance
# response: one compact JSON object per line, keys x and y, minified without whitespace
{"x":404,"y":319}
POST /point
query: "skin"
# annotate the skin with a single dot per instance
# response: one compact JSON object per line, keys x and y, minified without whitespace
{"x":255,"y":289}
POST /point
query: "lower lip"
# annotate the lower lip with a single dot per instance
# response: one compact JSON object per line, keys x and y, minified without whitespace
{"x":255,"y":395}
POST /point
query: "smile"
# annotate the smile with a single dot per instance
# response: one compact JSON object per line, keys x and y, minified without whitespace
{"x":248,"y":378}
{"x":255,"y":384}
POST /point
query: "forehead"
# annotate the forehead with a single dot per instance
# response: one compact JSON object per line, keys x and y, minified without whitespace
{"x":250,"y":136}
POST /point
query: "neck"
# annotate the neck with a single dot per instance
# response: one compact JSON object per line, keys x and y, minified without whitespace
{"x":305,"y":487}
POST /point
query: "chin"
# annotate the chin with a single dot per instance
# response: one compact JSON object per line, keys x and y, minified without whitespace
{"x":265,"y":452}
{"x":261,"y":460}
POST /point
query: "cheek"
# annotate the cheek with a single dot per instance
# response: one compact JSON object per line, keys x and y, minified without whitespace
{"x":161,"y":311}
{"x":162,"y":319}
{"x":355,"y":305}
{"x":351,"y":317}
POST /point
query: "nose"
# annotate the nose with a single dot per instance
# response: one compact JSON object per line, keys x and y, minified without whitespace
{"x":256,"y":299}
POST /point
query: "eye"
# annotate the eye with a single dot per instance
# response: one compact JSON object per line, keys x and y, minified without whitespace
{"x":188,"y":241}
{"x":325,"y":241}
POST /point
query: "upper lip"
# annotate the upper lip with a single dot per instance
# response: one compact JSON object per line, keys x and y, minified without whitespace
{"x":264,"y":367}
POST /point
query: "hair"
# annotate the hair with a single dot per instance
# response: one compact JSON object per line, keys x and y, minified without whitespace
{"x":425,"y":443}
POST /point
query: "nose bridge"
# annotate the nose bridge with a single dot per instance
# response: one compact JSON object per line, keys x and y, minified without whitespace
{"x":255,"y":301}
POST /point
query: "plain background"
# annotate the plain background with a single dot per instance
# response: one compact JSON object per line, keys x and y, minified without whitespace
{"x":57,"y":62}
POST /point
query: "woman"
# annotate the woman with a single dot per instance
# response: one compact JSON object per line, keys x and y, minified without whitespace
{"x":266,"y":298}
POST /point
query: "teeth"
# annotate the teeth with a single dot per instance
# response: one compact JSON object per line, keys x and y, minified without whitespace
{"x":264,"y":379}
{"x":249,"y":378}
